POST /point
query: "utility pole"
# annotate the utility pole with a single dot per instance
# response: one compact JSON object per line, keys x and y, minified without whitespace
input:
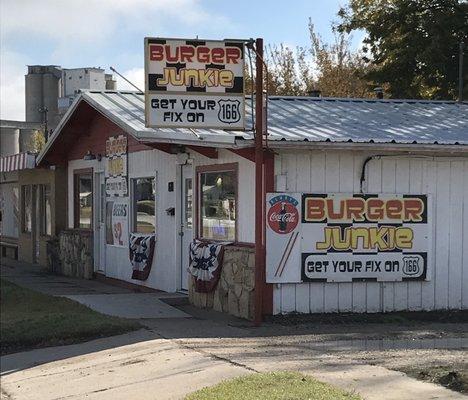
{"x":44,"y":110}
{"x":460,"y":71}
{"x":259,"y":186}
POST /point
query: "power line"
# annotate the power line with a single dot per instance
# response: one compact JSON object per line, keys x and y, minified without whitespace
{"x":125,"y":79}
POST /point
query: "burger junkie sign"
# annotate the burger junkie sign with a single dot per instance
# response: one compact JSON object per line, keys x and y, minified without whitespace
{"x":339,"y":237}
{"x":194,"y":84}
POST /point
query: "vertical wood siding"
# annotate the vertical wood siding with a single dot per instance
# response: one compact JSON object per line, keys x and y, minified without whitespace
{"x":446,"y":179}
{"x":148,"y":163}
{"x":165,"y":270}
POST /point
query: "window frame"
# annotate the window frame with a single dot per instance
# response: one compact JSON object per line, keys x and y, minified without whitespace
{"x":133,"y":204}
{"x":42,"y":203}
{"x":76,"y":198}
{"x":24,"y":229}
{"x":227,"y":167}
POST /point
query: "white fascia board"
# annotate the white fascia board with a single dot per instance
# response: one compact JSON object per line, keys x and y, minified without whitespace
{"x":383,"y":147}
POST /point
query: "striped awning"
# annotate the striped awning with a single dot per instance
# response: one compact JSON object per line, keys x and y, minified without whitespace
{"x":16,"y":162}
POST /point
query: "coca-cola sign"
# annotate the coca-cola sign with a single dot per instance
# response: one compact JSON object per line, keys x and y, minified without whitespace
{"x":283,"y":215}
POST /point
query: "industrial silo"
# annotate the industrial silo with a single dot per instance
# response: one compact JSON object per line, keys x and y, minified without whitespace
{"x":9,"y":141}
{"x":42,"y":93}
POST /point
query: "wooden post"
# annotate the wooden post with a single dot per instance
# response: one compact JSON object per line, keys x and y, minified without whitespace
{"x":259,"y":189}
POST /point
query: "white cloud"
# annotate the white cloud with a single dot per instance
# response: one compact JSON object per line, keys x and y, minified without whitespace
{"x":12,"y":71}
{"x":71,"y":27}
{"x":94,"y":21}
{"x":134,"y":75}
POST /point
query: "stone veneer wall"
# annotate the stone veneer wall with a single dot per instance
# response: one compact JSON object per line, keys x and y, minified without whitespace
{"x":72,"y":254}
{"x":234,"y":293}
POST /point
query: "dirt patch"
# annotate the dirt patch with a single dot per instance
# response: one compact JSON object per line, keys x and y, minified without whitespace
{"x":450,"y":376}
{"x":443,"y":367}
{"x":407,"y":318}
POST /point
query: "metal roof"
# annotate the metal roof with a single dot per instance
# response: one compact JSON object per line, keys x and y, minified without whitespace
{"x":298,"y":120}
{"x":127,"y":109}
{"x":312,"y":119}
{"x":367,"y":120}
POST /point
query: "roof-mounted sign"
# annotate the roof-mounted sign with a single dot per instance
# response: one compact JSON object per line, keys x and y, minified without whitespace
{"x":194,"y":84}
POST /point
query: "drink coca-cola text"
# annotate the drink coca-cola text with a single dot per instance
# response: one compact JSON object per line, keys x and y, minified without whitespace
{"x":286,"y":217}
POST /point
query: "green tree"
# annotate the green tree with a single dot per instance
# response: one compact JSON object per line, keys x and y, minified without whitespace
{"x":412,"y":44}
{"x":333,"y":68}
{"x":283,"y":71}
{"x":37,"y":141}
{"x":340,"y":71}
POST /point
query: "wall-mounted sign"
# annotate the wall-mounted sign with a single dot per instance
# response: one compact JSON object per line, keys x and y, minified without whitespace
{"x":117,"y":223}
{"x":194,"y":83}
{"x":347,"y":237}
{"x":116,"y":166}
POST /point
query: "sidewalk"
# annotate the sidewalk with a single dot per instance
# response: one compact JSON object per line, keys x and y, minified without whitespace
{"x":146,"y":365}
{"x":175,"y":356}
{"x":110,"y":369}
{"x":99,"y":296}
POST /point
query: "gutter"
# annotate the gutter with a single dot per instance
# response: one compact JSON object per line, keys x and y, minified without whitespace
{"x":410,"y":148}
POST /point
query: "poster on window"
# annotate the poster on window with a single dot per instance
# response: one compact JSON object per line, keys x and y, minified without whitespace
{"x":117,"y":223}
{"x":338,"y":237}
{"x":116,"y":166}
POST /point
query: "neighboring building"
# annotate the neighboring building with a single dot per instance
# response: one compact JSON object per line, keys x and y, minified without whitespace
{"x":32,"y":206}
{"x":50,"y":89}
{"x":42,"y":211}
{"x":32,"y":211}
{"x":185,"y":184}
{"x":15,"y":144}
{"x":16,"y":136}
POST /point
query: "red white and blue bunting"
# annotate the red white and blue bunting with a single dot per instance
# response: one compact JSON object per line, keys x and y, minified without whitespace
{"x":206,"y":262}
{"x":141,"y":255}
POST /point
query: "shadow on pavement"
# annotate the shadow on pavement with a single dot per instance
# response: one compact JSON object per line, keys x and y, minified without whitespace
{"x":211,"y":332}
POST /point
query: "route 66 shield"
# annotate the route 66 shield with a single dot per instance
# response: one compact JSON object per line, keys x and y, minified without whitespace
{"x":229,"y":111}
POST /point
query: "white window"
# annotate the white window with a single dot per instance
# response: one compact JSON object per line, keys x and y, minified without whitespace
{"x":218,"y":198}
{"x":144,"y":205}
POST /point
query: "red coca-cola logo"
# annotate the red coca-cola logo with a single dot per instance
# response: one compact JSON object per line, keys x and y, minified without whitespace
{"x":283,"y":216}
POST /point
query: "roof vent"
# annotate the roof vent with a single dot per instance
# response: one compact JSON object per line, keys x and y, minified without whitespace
{"x":378,"y":92}
{"x":315,"y":93}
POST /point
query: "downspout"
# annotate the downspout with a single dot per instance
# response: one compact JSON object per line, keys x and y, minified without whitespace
{"x":363,"y":172}
{"x":259,"y":188}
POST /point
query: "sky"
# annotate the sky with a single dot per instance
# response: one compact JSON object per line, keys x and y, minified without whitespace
{"x":104,"y":33}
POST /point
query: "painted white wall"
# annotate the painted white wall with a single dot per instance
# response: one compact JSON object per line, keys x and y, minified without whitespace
{"x":150,"y":163}
{"x":446,"y":179}
{"x":165,"y":272}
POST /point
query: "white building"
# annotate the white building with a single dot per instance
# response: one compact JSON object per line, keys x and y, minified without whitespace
{"x":316,"y":145}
